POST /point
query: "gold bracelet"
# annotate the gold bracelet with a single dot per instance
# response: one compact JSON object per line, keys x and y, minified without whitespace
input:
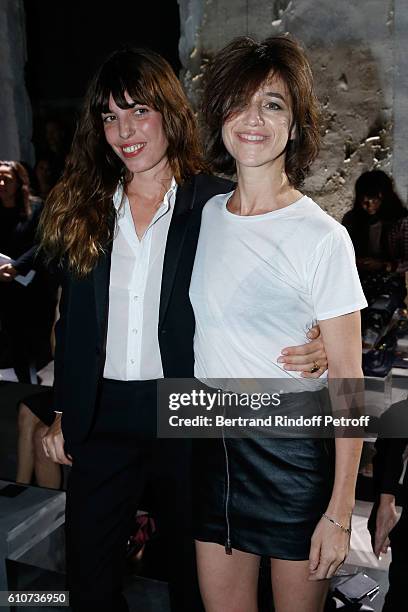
{"x":342,"y":527}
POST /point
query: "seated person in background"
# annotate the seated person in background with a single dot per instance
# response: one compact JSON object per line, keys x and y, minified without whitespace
{"x":44,"y":177}
{"x":35,"y":415}
{"x":55,"y":145}
{"x":376,"y":210}
{"x":384,"y":526}
{"x":398,"y":244}
{"x":26,"y":313}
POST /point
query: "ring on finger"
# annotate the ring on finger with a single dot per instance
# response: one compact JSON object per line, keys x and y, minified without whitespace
{"x":315,"y":367}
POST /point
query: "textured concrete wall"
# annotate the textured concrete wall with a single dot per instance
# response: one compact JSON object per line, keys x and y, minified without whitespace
{"x":15,"y":108}
{"x":352,"y":47}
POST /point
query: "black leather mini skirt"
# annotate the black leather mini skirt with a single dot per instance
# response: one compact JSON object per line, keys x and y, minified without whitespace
{"x":262,"y":495}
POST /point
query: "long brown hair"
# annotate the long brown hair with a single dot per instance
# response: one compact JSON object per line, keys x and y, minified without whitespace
{"x":235,"y":74}
{"x":23,"y":201}
{"x":78,"y":218}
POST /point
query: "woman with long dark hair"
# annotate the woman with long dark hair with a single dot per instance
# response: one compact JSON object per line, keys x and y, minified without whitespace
{"x":270,"y":262}
{"x":132,"y":183}
{"x":26,"y":312}
{"x":18,"y":217}
{"x":72,"y":225}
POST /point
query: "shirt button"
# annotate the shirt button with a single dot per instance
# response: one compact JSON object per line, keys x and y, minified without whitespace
{"x":132,"y":361}
{"x":134,"y":330}
{"x":135,"y":297}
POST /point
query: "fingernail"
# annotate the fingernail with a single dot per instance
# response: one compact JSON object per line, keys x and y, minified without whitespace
{"x":280,"y":360}
{"x":284,"y":352}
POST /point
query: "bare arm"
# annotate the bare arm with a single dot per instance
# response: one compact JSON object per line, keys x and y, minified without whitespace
{"x":330,"y":544}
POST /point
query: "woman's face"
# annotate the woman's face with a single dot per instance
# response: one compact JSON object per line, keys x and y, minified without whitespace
{"x":258,"y":134}
{"x":8,"y":185}
{"x":136,"y":135}
{"x":371,"y":204}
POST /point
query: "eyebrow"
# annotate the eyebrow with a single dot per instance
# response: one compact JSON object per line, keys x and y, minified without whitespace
{"x":128,"y":105}
{"x":274,"y":94}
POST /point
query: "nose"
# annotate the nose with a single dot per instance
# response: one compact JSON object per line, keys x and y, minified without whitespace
{"x":253,"y":115}
{"x":125,"y":127}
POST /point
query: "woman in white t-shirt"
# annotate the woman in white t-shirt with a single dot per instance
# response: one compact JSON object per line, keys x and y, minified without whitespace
{"x":269,"y":263}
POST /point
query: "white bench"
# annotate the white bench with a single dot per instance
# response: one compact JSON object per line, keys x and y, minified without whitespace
{"x":27,"y":516}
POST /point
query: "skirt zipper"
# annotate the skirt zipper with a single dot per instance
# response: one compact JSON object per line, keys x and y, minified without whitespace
{"x":228,"y":547}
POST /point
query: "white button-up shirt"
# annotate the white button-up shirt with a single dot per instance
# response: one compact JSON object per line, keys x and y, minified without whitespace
{"x":132,"y":347}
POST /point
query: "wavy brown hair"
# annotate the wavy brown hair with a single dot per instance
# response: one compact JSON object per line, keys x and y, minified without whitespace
{"x":237,"y":72}
{"x":22,"y":198}
{"x":78,"y":218}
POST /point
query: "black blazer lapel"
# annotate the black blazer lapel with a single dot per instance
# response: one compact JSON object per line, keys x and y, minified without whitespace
{"x":175,"y":239}
{"x":101,"y":277}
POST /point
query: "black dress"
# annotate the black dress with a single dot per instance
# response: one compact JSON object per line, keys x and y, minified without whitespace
{"x":41,"y":405}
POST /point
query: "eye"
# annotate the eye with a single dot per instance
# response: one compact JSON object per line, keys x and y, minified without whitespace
{"x":108,"y":118}
{"x":272,"y":106}
{"x":141,"y":110}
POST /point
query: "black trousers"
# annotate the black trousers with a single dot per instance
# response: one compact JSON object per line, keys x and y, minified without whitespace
{"x":109,"y":473}
{"x":398,"y":571}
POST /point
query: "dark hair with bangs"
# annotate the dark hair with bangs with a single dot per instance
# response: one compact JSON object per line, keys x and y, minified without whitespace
{"x":78,"y":216}
{"x":237,"y":72}
{"x":377,"y":184}
{"x":374,"y":184}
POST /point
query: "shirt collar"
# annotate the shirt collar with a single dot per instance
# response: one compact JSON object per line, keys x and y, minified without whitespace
{"x":119,"y":195}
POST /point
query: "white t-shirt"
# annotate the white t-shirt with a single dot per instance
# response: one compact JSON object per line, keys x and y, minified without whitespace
{"x":260,"y":282}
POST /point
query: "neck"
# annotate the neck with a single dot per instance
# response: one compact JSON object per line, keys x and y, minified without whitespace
{"x":152,"y":184}
{"x":262,"y":190}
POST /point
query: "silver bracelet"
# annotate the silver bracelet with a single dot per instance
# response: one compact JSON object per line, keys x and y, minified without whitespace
{"x":342,"y":527}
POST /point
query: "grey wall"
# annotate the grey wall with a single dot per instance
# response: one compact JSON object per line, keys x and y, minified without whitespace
{"x":15,"y":108}
{"x":357,"y":51}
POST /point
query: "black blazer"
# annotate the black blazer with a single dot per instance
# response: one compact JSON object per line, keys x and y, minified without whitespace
{"x":388,"y":461}
{"x":388,"y":465}
{"x":22,"y":236}
{"x":81,"y":330}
